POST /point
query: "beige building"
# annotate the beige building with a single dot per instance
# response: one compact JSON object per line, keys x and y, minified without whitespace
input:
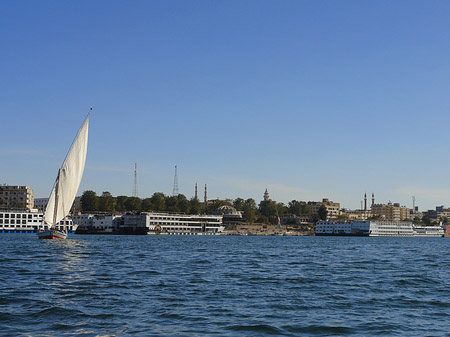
{"x":16,"y":197}
{"x":390,"y":211}
{"x":356,"y":214}
{"x":333,"y":208}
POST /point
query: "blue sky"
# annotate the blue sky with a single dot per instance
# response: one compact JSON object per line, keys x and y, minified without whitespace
{"x":310,"y":99}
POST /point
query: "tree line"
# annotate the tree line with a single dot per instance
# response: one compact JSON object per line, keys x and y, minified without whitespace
{"x":267,"y":211}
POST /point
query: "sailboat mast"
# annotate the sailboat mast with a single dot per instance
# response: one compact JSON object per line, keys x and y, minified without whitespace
{"x":55,"y":209}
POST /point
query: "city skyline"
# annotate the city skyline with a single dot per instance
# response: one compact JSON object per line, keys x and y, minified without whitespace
{"x":308,"y":99}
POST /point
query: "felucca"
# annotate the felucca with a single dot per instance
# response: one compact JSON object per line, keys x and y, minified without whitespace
{"x":66,"y":186}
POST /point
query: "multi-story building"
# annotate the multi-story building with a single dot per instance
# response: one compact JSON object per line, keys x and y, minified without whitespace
{"x":390,"y":211}
{"x":333,"y":208}
{"x":357,"y":214}
{"x":16,"y":197}
{"x":40,"y":203}
{"x":439,"y":213}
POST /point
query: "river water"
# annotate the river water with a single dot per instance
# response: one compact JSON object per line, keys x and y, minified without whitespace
{"x":225,"y":286}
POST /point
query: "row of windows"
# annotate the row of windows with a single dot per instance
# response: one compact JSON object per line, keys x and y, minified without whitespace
{"x":181,"y":219}
{"x":19,"y":226}
{"x":13,"y":221}
{"x":181,"y":224}
{"x":18,"y":216}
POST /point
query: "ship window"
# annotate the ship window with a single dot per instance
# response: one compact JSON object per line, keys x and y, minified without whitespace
{"x":24,"y":222}
{"x":13,"y":216}
{"x":7,"y":221}
{"x":13,"y":221}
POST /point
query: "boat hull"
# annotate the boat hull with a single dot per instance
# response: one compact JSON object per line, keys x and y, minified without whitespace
{"x":52,"y":234}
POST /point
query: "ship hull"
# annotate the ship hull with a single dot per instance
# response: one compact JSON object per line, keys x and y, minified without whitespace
{"x":52,"y":234}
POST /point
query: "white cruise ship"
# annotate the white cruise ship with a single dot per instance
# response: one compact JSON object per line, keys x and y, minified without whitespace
{"x":171,"y":224}
{"x":376,"y":228}
{"x":26,"y":222}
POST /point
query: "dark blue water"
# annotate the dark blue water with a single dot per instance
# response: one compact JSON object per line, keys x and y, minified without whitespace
{"x":226,"y":286}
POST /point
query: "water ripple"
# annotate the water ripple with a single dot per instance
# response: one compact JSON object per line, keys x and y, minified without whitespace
{"x":224,"y":286}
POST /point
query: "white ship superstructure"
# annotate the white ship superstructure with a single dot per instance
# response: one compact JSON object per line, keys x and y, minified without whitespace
{"x":437,"y":231}
{"x":185,"y":224}
{"x":171,"y":224}
{"x":391,"y":228}
{"x":376,"y":228}
{"x":24,"y":222}
{"x":343,"y":228}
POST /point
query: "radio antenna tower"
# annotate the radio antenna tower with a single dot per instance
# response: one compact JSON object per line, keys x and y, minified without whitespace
{"x":175,"y":183}
{"x":414,"y":203}
{"x":135,"y":193}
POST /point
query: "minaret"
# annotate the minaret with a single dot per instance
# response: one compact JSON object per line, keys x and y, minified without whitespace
{"x":135,"y":193}
{"x":266,"y":195}
{"x":196,"y":192}
{"x":373,"y":199}
{"x":175,"y":192}
{"x":365,"y":202}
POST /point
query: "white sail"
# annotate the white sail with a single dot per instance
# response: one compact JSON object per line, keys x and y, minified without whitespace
{"x":69,"y":178}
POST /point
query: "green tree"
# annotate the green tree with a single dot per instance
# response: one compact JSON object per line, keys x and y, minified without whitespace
{"x":172,"y":204}
{"x":183,"y":204}
{"x":89,"y":201}
{"x":239,"y":204}
{"x":268,"y":208}
{"x":159,"y":201}
{"x":249,"y":214}
{"x":295,"y":207}
{"x":306,"y":209}
{"x":106,"y":202}
{"x":133,"y":204}
{"x":417,"y":220}
{"x":251,"y":203}
{"x":147,"y":204}
{"x":283,"y":210}
{"x":262,"y":219}
{"x":120,"y":203}
{"x":250,"y":210}
{"x":214,"y":205}
{"x":322,"y":212}
{"x":342,"y":217}
{"x":195,"y":206}
{"x":426,"y":220}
